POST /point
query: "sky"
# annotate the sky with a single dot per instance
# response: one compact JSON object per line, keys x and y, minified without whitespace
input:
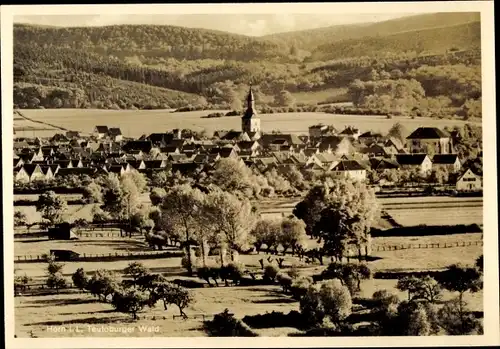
{"x":245,"y":24}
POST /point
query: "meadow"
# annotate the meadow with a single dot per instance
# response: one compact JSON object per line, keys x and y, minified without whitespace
{"x":135,"y":123}
{"x":46,"y":316}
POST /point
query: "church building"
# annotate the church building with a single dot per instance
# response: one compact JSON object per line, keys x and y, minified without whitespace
{"x":250,"y":121}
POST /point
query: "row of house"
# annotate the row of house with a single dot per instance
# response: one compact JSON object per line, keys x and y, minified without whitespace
{"x":342,"y":153}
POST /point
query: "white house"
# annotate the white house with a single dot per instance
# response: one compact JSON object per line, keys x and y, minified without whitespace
{"x":349,"y":169}
{"x":469,"y":181}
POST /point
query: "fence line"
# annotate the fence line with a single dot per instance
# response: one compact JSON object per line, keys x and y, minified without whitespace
{"x":99,"y":256}
{"x":428,"y":245}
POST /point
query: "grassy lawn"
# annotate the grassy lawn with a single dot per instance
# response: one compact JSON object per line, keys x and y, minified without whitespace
{"x":44,"y":315}
{"x":446,"y":216}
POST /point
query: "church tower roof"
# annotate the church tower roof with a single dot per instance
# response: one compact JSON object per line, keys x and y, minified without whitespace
{"x":250,"y":112}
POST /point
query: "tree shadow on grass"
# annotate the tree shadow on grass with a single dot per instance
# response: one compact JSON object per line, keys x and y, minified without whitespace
{"x":86,"y":321}
{"x":274,"y":301}
{"x":31,"y":241}
{"x":61,"y":302}
{"x":107,"y":311}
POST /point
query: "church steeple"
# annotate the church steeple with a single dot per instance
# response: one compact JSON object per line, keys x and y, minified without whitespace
{"x":250,"y":99}
{"x":250,"y":121}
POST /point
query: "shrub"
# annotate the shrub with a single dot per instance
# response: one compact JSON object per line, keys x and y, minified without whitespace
{"x":226,"y":325}
{"x":270,"y":272}
{"x":285,"y":281}
{"x":336,"y":301}
{"x":274,"y":319}
{"x":130,"y":301}
{"x":385,"y":301}
{"x":56,"y":281}
{"x":207,"y":273}
{"x":233,"y":272}
{"x":294,"y":272}
{"x":299,"y":287}
{"x":79,"y":278}
{"x":102,"y":284}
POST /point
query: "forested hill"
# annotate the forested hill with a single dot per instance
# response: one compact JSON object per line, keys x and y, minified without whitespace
{"x":150,"y":67}
{"x":313,"y":38}
{"x":436,"y":40}
{"x":152,"y":41}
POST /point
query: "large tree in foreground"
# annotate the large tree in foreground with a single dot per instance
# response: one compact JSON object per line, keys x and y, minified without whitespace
{"x":232,"y":218}
{"x":181,"y":211}
{"x":341,"y":213}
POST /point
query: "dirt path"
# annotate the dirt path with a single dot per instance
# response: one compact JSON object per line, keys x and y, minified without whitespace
{"x":17,"y":112}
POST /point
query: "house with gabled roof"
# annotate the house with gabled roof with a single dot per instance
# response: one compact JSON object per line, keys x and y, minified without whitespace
{"x":63,"y":163}
{"x":335,"y":145}
{"x":59,"y":138}
{"x":76,"y":163}
{"x":381,"y":164}
{"x":375,"y":150}
{"x":20,"y":175}
{"x":421,"y":162}
{"x":266,"y":140}
{"x":450,"y":162}
{"x":18,"y":162}
{"x":370,"y":137}
{"x":144,"y":146}
{"x":137,"y":164}
{"x":155,"y":164}
{"x":72,"y":134}
{"x":115,"y":134}
{"x":350,"y":132}
{"x":100,"y":131}
{"x":323,"y":159}
{"x":321,"y":130}
{"x":34,"y":172}
{"x":351,"y":169}
{"x":469,"y":181}
{"x":396,"y":143}
{"x":47,"y":171}
{"x":429,"y":139}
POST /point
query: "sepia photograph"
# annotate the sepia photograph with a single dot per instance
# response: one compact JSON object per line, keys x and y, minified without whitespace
{"x":227,"y":172}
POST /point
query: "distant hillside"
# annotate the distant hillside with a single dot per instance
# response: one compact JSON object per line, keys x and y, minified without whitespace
{"x":437,"y":40}
{"x":149,"y":67}
{"x":151,"y":41}
{"x":311,"y":39}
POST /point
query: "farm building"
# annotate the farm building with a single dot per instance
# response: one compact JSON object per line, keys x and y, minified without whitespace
{"x":62,"y":231}
{"x":469,"y":181}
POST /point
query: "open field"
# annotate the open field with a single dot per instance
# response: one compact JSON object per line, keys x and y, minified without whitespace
{"x":73,"y":212}
{"x":134,"y":123}
{"x":446,"y":216}
{"x":45,"y":314}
